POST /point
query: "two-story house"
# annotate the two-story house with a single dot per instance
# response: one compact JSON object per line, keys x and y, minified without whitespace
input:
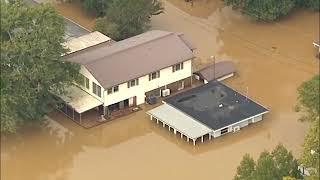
{"x":123,"y":74}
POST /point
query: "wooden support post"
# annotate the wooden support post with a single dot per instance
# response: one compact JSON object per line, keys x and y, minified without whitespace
{"x":157,"y":121}
{"x":151,"y":117}
{"x":202,"y":139}
{"x":209,"y":136}
{"x":194,"y":142}
{"x":169,"y":127}
{"x":163,"y":124}
{"x":175,"y":131}
{"x":181,"y":135}
{"x":187,"y":139}
{"x":80,"y":118}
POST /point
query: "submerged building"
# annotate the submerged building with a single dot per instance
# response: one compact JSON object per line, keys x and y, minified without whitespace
{"x":118,"y":76}
{"x":212,"y":110}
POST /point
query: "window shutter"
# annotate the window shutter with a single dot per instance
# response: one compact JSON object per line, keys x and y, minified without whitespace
{"x":173,"y":68}
{"x":181,"y":66}
{"x":128,"y":84}
{"x":149,"y":77}
{"x":158,"y":73}
{"x":137,"y":82}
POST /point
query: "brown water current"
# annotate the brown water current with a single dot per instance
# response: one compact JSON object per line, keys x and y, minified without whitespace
{"x":272,"y":59}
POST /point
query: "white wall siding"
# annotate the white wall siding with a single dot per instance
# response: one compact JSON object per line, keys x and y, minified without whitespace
{"x":216,"y":134}
{"x":125,"y":93}
{"x":241,"y":124}
{"x":87,"y":74}
{"x":166,"y":77}
{"x":257,"y":118}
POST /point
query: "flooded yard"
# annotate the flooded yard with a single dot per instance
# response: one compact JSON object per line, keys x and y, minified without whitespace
{"x":272,"y":59}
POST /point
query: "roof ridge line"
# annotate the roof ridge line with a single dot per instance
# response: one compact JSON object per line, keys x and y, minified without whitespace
{"x":160,"y":37}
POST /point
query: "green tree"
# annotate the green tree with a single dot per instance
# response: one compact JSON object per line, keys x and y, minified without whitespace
{"x":266,"y":167}
{"x":285,"y":163}
{"x":127,"y":18}
{"x":32,"y":67}
{"x":311,"y":149}
{"x":246,"y":169}
{"x":269,"y":10}
{"x":309,"y":95}
{"x":280,"y":164}
{"x":309,"y":98}
{"x":312,"y":4}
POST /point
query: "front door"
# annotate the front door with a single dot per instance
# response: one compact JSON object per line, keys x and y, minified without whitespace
{"x":133,"y":101}
{"x":126,"y":103}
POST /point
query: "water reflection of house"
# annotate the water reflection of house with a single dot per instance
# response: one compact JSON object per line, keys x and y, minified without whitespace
{"x":118,"y":76}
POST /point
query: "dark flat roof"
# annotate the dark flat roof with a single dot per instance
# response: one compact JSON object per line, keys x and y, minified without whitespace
{"x":203,"y":104}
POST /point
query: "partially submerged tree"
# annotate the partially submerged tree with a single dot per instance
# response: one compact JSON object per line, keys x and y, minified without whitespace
{"x":269,"y":10}
{"x":276,"y":165}
{"x":31,"y":64}
{"x":309,"y":95}
{"x":312,"y":4}
{"x":96,"y":7}
{"x":310,"y":158}
{"x":246,"y":169}
{"x":309,"y":98}
{"x":127,"y":18}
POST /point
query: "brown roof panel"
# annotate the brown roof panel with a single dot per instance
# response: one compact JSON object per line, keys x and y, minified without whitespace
{"x":216,"y":71}
{"x":133,"y":57}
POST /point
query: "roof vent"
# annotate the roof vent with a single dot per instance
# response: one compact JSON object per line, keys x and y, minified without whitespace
{"x":220,"y":105}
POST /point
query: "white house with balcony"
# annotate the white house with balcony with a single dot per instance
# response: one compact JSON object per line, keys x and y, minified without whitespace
{"x":120,"y":75}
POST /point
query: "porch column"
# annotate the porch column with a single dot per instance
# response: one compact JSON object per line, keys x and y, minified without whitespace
{"x":209,"y":136}
{"x":202,"y":139}
{"x":80,"y":118}
{"x":175,"y":131}
{"x":151,"y":117}
{"x":163,"y":124}
{"x":181,"y":135}
{"x":194,"y":142}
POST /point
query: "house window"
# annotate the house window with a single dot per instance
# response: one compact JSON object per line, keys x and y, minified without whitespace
{"x":154,"y":75}
{"x":81,"y":82}
{"x":132,"y":83}
{"x":96,"y":89}
{"x":109,"y":91}
{"x":86,"y":82}
{"x":177,"y":67}
{"x":225,"y":130}
{"x":113,"y":89}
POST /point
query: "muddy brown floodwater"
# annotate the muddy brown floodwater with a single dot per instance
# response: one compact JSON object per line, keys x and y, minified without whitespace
{"x":272,"y":59}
